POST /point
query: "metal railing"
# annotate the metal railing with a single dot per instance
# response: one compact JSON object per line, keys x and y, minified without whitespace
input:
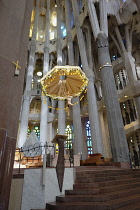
{"x":31,"y":156}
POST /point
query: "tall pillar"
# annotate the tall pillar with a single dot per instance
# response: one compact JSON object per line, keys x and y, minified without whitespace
{"x":106,"y":143}
{"x":137,"y":2}
{"x":27,"y":92}
{"x":78,"y":135}
{"x":61,"y":104}
{"x":137,"y":102}
{"x":116,"y":129}
{"x":92,"y":104}
{"x":44,"y":106}
{"x":115,"y":123}
{"x":127,"y":55}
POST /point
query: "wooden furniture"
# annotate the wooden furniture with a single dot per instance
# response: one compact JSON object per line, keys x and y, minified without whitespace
{"x":34,"y":165}
{"x":94,"y":159}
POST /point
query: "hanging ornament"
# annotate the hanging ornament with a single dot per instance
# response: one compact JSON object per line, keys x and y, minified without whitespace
{"x":64,"y":82}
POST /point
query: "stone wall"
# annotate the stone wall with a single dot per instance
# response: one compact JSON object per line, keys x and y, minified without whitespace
{"x":16,"y":194}
{"x":15,"y":16}
{"x":35,"y":195}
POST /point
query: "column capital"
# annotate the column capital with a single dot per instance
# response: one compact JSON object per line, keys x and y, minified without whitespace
{"x":46,"y":49}
{"x":27,"y":97}
{"x":77,"y":22}
{"x":33,"y":46}
{"x":102,"y":40}
{"x":69,"y":36}
{"x":105,"y":65}
{"x":91,"y":78}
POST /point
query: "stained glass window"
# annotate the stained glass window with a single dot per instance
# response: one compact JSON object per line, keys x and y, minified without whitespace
{"x":88,"y":134}
{"x":37,"y":131}
{"x":69,"y":140}
{"x":28,"y":132}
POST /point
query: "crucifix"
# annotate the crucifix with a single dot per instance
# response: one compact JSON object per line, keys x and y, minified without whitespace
{"x":17,"y":66}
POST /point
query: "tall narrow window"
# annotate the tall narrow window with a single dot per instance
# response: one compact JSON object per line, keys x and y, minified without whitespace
{"x":28,"y":132}
{"x":69,"y":140}
{"x":88,"y":134}
{"x":37,"y":131}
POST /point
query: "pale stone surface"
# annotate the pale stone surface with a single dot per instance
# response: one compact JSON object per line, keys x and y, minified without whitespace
{"x":27,"y":93}
{"x":115,"y":124}
{"x":44,"y":106}
{"x":16,"y":194}
{"x":52,"y":189}
{"x":35,"y":195}
{"x":76,"y":113}
{"x":137,"y":102}
{"x":92,"y":103}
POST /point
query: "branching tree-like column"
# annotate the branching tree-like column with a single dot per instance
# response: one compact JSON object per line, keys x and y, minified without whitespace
{"x":44,"y":106}
{"x":61,"y":104}
{"x":78,"y":136}
{"x":27,"y":92}
{"x":92,"y":103}
{"x":115,"y":123}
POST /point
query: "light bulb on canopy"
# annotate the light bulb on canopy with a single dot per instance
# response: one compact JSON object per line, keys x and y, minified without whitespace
{"x":64,"y":82}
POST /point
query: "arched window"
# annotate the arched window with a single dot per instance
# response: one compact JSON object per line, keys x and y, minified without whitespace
{"x":37,"y":131}
{"x":35,"y":128}
{"x":88,"y":134}
{"x":69,"y":140}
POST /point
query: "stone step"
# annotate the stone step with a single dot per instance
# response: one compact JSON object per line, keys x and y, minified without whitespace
{"x":81,"y":168}
{"x":18,"y":176}
{"x":107,"y":178}
{"x":98,"y":198}
{"x":114,"y":204}
{"x":106,"y":183}
{"x":134,"y":206}
{"x":101,"y":177}
{"x":105,"y":170}
{"x":104,"y":174}
{"x":101,"y":190}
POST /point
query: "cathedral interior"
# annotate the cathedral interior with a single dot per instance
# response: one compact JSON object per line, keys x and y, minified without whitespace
{"x":48,"y":48}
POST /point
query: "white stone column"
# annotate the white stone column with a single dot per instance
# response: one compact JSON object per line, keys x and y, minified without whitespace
{"x":78,"y":134}
{"x":92,"y":104}
{"x":118,"y":140}
{"x":106,"y":143}
{"x":27,"y":92}
{"x":115,"y":123}
{"x":61,"y":104}
{"x":127,"y":57}
{"x":137,"y":103}
{"x":44,"y":106}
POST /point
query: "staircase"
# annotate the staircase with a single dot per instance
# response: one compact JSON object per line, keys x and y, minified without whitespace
{"x":101,"y":188}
